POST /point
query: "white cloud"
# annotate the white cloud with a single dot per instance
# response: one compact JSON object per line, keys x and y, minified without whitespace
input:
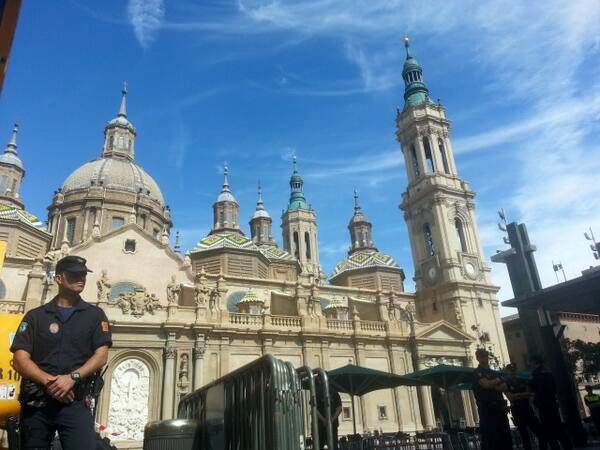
{"x":146,"y":17}
{"x":358,"y":166}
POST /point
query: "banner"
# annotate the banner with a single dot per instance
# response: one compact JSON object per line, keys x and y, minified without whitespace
{"x":9,"y":378}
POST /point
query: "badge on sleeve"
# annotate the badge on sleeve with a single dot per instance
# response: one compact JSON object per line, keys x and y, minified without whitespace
{"x":54,"y":328}
{"x":104,"y":326}
{"x":23,"y":327}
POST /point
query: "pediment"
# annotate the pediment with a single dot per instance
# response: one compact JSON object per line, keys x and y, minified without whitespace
{"x":442,"y":331}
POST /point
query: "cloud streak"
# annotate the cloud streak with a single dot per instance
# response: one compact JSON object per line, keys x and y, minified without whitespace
{"x":146,"y":17}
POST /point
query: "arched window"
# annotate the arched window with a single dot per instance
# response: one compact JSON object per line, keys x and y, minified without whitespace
{"x":415,"y":161}
{"x":2,"y":290}
{"x":117,"y":222}
{"x":460,"y":234}
{"x":221,"y":217}
{"x":428,"y":155}
{"x":443,"y":154}
{"x":307,"y":242}
{"x":296,"y":245}
{"x":111,"y":139}
{"x":121,"y":142}
{"x":3,"y":184}
{"x":428,"y":239}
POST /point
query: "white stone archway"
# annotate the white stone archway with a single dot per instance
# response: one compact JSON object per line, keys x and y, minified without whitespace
{"x":129,"y":396}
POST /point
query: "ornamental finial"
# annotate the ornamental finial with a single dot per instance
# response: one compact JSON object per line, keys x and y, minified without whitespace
{"x":123,"y":108}
{"x":356,"y":205}
{"x":407,"y":46}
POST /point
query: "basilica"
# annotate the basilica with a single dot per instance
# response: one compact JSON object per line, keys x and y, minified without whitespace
{"x":183,"y":318}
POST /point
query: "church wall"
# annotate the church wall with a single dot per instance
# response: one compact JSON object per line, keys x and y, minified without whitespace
{"x":122,"y":266}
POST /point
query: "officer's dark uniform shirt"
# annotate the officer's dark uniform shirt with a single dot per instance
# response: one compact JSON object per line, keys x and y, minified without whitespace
{"x":486,"y":398}
{"x":543,"y":387}
{"x":59,"y":344}
{"x":518,"y":407}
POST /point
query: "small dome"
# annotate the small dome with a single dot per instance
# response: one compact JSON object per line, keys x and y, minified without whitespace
{"x":113,"y":173}
{"x":250,"y":298}
{"x":261,"y":213}
{"x":411,"y":64}
{"x":226,"y":196}
{"x":11,"y":159}
{"x":121,"y":121}
{"x":336,"y":303}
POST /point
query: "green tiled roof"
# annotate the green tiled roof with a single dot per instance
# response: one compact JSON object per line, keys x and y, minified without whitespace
{"x":363,"y":260}
{"x":237,"y":241}
{"x":14,"y":213}
{"x":335,"y":302}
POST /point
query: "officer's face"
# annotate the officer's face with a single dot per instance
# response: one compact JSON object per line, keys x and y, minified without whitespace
{"x":71,"y":281}
{"x":483,"y":360}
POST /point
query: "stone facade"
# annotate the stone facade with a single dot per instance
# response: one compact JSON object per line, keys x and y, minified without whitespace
{"x":181,"y":321}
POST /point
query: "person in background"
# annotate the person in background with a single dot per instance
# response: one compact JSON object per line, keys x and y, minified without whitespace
{"x":58,"y":348}
{"x":592,"y":401}
{"x":335,"y":405}
{"x":488,"y":389}
{"x":544,"y":398}
{"x":522,"y":413}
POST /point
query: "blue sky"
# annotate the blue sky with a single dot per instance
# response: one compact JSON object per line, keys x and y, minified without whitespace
{"x":253,"y":82}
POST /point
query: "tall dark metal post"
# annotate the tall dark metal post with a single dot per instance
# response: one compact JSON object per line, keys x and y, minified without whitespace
{"x":536,"y":324}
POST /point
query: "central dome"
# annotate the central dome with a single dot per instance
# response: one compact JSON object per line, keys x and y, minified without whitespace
{"x":114,"y":174}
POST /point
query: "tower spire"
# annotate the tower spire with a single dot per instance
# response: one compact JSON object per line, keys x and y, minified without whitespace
{"x":407,"y":47}
{"x":356,"y":204}
{"x":10,"y":152}
{"x":225,"y":208}
{"x":259,"y":202}
{"x":123,"y":108}
{"x":360,"y":229}
{"x":297,"y":199}
{"x":415,"y":91}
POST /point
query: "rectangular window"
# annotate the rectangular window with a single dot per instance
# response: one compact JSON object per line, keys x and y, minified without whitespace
{"x":346,"y":413}
{"x":70,"y":233}
{"x":3,"y":184}
{"x":117,"y":222}
{"x":130,"y":245}
{"x":382,"y":412}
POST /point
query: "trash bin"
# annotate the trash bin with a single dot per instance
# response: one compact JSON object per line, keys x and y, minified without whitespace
{"x":175,"y":434}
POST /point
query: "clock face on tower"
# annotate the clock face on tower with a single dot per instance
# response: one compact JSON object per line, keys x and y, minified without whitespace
{"x":470,"y":269}
{"x":430,"y":273}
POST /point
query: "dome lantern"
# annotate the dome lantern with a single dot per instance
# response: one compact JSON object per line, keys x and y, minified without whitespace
{"x":119,"y":133}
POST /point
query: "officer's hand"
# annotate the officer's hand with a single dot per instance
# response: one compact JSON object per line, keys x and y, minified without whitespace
{"x":60,"y":387}
{"x":68,"y":398}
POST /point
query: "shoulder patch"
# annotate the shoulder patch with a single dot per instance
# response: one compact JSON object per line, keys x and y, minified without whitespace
{"x":23,"y":327}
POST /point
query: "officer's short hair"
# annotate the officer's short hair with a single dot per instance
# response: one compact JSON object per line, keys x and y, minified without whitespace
{"x":482,"y":353}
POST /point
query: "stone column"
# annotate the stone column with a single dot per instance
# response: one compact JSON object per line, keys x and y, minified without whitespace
{"x":169,"y":381}
{"x":426,"y":404}
{"x":34,"y":286}
{"x":199,"y":350}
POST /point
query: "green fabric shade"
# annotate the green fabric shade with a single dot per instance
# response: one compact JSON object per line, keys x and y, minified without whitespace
{"x":444,"y":376}
{"x":356,"y":380}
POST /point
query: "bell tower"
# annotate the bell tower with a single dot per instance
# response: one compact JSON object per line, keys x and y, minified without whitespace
{"x":299,"y":226}
{"x":451,"y":276}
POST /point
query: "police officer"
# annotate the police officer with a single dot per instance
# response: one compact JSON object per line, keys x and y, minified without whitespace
{"x":58,"y":348}
{"x":335,"y":405}
{"x":488,"y":389}
{"x":592,"y":401}
{"x":520,"y":408}
{"x":544,"y":398}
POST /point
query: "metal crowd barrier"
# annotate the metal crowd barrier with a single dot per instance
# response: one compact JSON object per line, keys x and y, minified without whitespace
{"x":398,"y":441}
{"x":259,"y":406}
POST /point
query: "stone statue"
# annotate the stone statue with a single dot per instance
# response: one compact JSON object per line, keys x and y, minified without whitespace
{"x":183,"y":372}
{"x":173,"y":291}
{"x":103,"y":286}
{"x":201,"y":290}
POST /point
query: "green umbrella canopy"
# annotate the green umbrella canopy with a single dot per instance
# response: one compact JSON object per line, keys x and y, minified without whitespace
{"x":356,"y":380}
{"x":444,"y":376}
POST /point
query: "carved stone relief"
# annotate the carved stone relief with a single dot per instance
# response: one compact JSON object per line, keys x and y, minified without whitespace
{"x":432,"y":361}
{"x":138,"y":302}
{"x":129,"y":394}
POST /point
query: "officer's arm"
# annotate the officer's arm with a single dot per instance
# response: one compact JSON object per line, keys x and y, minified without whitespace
{"x":28,"y":369}
{"x":490,"y":383}
{"x":95,"y":363}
